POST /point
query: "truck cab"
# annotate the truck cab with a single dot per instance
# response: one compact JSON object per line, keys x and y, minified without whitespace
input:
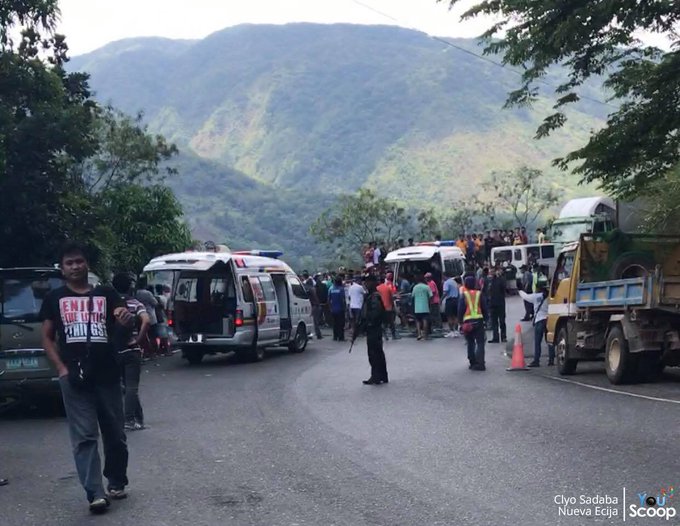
{"x":587,"y":215}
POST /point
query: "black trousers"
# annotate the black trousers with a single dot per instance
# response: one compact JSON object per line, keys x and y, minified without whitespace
{"x":131,"y":366}
{"x":498,"y":322}
{"x":339,"y":326}
{"x":376,"y":355}
{"x":388,"y":323}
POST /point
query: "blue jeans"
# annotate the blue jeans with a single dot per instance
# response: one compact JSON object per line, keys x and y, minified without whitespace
{"x":539,"y":334}
{"x":88,"y":411}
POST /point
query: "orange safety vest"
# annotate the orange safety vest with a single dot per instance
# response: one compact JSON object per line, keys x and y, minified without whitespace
{"x":472,"y":300}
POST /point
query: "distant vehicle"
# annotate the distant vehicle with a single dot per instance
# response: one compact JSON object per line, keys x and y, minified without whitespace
{"x":25,"y":371}
{"x":520,"y":255}
{"x":436,"y":257}
{"x":233,"y":302}
{"x":587,"y":215}
{"x":617,"y":300}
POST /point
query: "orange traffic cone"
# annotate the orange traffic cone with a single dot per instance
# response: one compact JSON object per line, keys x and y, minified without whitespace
{"x":518,"y":363}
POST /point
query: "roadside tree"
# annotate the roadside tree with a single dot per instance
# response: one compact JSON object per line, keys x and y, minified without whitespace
{"x":592,"y":40}
{"x":521,"y":193}
{"x":358,"y":219}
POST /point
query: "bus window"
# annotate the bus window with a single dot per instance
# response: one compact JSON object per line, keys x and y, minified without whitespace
{"x":547,"y":251}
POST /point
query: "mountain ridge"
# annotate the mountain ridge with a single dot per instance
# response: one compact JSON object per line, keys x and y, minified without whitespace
{"x":326,"y":109}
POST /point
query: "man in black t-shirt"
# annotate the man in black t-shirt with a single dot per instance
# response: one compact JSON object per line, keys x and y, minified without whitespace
{"x":78,"y":327}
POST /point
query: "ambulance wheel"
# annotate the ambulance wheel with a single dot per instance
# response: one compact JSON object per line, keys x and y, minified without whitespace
{"x":299,"y":343}
{"x":254,"y":354}
{"x":619,"y":363}
{"x":193,"y":356}
{"x":565,"y":365}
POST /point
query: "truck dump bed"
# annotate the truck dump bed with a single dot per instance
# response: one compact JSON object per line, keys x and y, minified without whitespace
{"x":616,"y":293}
{"x":619,"y":270}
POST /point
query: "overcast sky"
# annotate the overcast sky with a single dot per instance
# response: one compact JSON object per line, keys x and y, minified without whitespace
{"x":89,"y":24}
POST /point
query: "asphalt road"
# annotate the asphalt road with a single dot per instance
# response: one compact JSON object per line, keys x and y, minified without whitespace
{"x":298,"y":440}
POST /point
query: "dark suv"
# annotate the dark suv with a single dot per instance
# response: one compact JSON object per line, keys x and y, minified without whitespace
{"x":25,"y":370}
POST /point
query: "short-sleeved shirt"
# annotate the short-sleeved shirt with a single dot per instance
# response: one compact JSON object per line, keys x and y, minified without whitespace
{"x":70,"y":313}
{"x":435,"y":291}
{"x":386,"y":291}
{"x":150,"y":303}
{"x":451,"y":290}
{"x":125,"y":337}
{"x":356,"y":296}
{"x":421,"y":294}
{"x":336,"y":298}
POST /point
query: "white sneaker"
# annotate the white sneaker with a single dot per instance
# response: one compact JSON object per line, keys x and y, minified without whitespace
{"x":448,"y":335}
{"x":456,"y":334}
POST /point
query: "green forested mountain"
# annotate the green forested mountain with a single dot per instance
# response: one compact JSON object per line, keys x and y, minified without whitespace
{"x":293,"y":114}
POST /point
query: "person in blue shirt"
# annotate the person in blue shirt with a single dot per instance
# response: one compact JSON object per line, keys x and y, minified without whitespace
{"x":451,"y":295}
{"x":336,"y":300}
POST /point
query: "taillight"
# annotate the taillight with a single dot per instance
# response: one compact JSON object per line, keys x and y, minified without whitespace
{"x":171,"y":322}
{"x":238,"y":320}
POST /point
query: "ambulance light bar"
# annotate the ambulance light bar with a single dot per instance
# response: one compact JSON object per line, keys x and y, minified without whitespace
{"x":263,"y":253}
{"x":448,"y":243}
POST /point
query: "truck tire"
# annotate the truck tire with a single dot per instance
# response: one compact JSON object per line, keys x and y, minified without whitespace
{"x":565,"y":364}
{"x":300,"y":340}
{"x":632,"y":265}
{"x":193,"y":356}
{"x":621,"y":365}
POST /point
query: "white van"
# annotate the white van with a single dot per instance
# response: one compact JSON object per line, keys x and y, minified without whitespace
{"x":233,"y":301}
{"x":435,"y":257}
{"x":519,"y":255}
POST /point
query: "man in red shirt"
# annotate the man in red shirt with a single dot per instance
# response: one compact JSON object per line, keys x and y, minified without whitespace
{"x":387,"y":292}
{"x":435,"y":310}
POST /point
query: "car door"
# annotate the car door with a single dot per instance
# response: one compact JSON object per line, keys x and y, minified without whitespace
{"x":269,"y":319}
{"x":301,"y":308}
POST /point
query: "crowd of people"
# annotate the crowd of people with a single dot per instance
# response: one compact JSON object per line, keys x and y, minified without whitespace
{"x":470,"y":304}
{"x":475,"y":246}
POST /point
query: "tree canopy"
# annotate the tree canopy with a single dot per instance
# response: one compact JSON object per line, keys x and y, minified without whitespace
{"x":521,"y":193}
{"x":69,"y":168}
{"x":598,"y":40}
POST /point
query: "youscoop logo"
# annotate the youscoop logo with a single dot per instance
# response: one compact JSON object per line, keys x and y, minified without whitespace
{"x":654,"y":505}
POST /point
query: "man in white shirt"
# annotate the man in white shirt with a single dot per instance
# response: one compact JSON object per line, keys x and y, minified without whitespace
{"x":376,"y":254}
{"x":356,"y":299}
{"x":540,"y":302}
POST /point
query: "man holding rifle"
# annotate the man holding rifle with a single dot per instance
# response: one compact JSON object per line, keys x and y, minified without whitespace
{"x":371,"y":320}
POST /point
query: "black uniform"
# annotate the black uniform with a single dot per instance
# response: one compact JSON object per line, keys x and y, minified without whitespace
{"x":497,"y":308}
{"x":371,"y":318}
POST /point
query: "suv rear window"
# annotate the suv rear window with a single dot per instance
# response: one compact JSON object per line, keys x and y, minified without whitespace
{"x":22,"y":297}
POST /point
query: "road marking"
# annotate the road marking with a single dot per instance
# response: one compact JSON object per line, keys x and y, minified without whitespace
{"x":635,"y":395}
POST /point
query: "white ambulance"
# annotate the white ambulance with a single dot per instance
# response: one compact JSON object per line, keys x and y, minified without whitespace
{"x":233,"y":302}
{"x":435,"y":257}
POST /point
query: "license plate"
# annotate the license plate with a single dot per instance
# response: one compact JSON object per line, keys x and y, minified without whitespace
{"x":196,"y":338}
{"x":22,"y":363}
